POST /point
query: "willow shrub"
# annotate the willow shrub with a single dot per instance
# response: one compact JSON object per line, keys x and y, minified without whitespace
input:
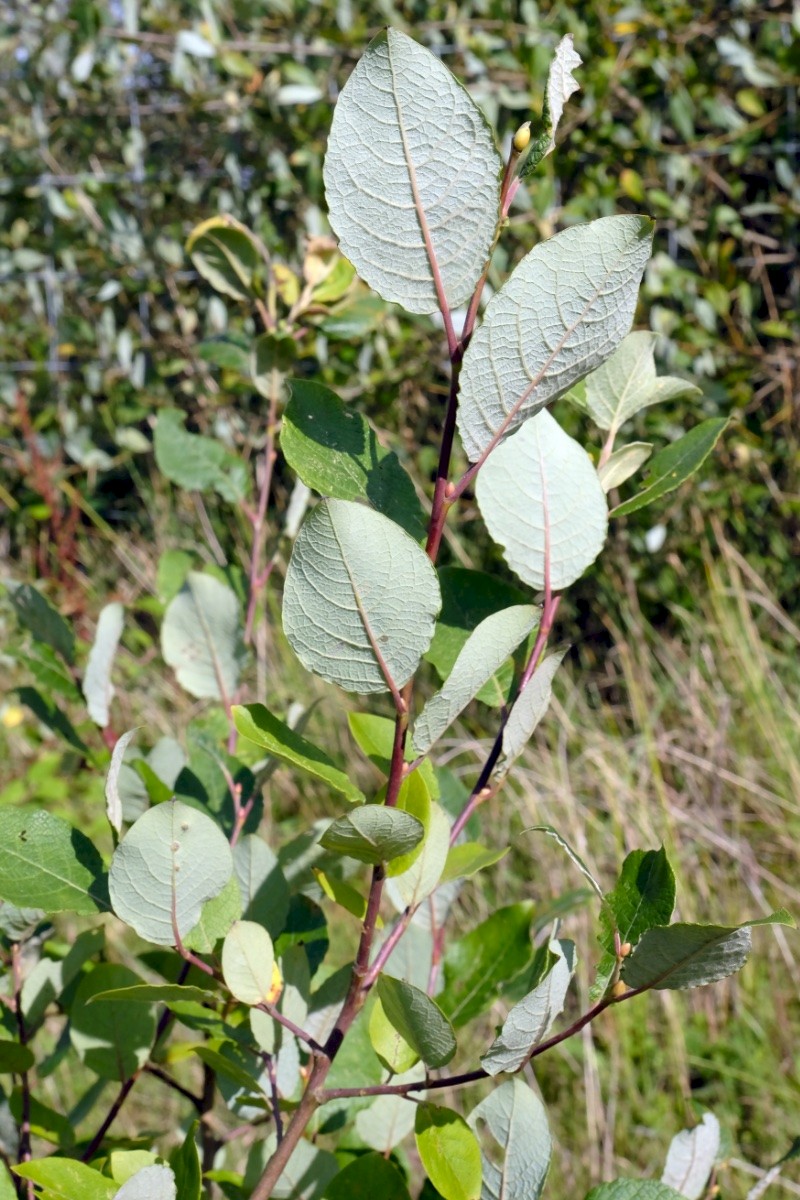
{"x":233,"y":930}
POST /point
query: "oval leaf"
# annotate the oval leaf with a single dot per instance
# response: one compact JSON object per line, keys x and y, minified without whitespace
{"x":516,"y":1119}
{"x":201,"y":637}
{"x":528,"y":710}
{"x":691,"y":1157}
{"x":368,"y":1177}
{"x":360,"y":599}
{"x":373,"y":834}
{"x":540,"y":497}
{"x":223,"y":250}
{"x":248,"y":959}
{"x":449,"y":1152}
{"x":411,"y":177}
{"x":565,"y":308}
{"x":529,"y":1021}
{"x":418,"y":1020}
{"x":627,"y":382}
{"x":46,"y":863}
{"x":172,"y":860}
{"x":622,"y":464}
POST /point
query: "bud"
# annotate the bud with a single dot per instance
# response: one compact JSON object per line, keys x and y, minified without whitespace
{"x":619,"y":989}
{"x":625,"y":949}
{"x":522,"y":137}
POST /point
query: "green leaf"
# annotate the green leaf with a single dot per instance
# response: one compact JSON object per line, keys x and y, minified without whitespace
{"x":38,"y":616}
{"x":360,"y":598}
{"x":170,"y":862}
{"x":46,"y":1124}
{"x":216,"y":918}
{"x":540,"y":497}
{"x":449,"y":1152}
{"x":258,"y":725}
{"x":335,"y":451}
{"x":263,"y":886}
{"x":469,"y":858}
{"x":113,"y":1039}
{"x":7,"y":1189}
{"x":634,"y":1189}
{"x":46,"y":863}
{"x":201,"y":637}
{"x":571,"y":854}
{"x":688,"y":956}
{"x":375,"y":736}
{"x":515,"y":1117}
{"x":410,"y":159}
{"x":528,"y":710}
{"x":248,"y":959}
{"x":195,"y":462}
{"x":50,"y":978}
{"x":272,"y":354}
{"x":226,"y":353}
{"x":368,"y":1177}
{"x":676,"y":463}
{"x":644,"y":896}
{"x":416,"y":882}
{"x":156,"y":1182}
{"x":154,"y":993}
{"x":564,"y":309}
{"x":388,"y":1043}
{"x":15,"y":1058}
{"x":627,"y":382}
{"x":47,"y":711}
{"x":484,"y":652}
{"x":622,"y":464}
{"x":560,"y":86}
{"x":468,"y":597}
{"x":67,"y":1179}
{"x":418,"y":1019}
{"x":413,"y":797}
{"x":691,"y":1158}
{"x":477,"y":966}
{"x":98,"y":689}
{"x":529,"y":1021}
{"x":225,"y":254}
{"x":373,"y":834}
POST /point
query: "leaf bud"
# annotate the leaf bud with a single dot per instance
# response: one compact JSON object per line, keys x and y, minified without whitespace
{"x":522,"y":137}
{"x":619,"y":989}
{"x":625,"y":949}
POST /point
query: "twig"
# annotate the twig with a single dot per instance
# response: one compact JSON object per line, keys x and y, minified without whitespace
{"x":24,"y":1152}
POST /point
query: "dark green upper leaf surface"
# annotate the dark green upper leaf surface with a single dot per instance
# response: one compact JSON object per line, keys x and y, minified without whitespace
{"x":418,"y":1019}
{"x":335,"y":451}
{"x":478,"y":965}
{"x":368,"y":1177}
{"x":374,"y":834}
{"x":38,"y":615}
{"x":676,"y":463}
{"x":644,"y":896}
{"x":259,"y":725}
{"x":46,"y":863}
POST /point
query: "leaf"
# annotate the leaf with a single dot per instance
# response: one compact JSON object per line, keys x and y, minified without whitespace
{"x":644,"y":896}
{"x":375,"y":736}
{"x":410,"y":888}
{"x":449,"y":1152}
{"x":468,"y":858}
{"x":675,"y":464}
{"x":46,"y":863}
{"x":384,"y":1124}
{"x":258,"y":725}
{"x":411,"y":161}
{"x":691,"y":1157}
{"x":368,"y":1177}
{"x":468,"y":597}
{"x":51,"y":1126}
{"x":540,"y":497}
{"x":201,"y":637}
{"x":360,"y":598}
{"x":335,"y":451}
{"x":195,"y":462}
{"x":622,"y":464}
{"x":516,"y":1119}
{"x":113,"y":798}
{"x":248,"y":960}
{"x":627,"y":382}
{"x":156,"y":1182}
{"x":154,"y":993}
{"x":15,"y":1058}
{"x":477,"y":966}
{"x":46,"y":711}
{"x":373,"y":834}
{"x":216,"y":918}
{"x":98,"y":689}
{"x":388,"y":1043}
{"x":528,"y":710}
{"x":484,"y":652}
{"x":413,"y":797}
{"x":565,"y":308}
{"x":529,"y":1021}
{"x":225,"y":254}
{"x":418,"y":1019}
{"x":67,"y":1179}
{"x":560,"y":86}
{"x":688,"y":956}
{"x":571,"y":854}
{"x":263,"y":886}
{"x":38,"y":616}
{"x":633,"y":1189}
{"x":170,"y":862}
{"x":113,"y":1039}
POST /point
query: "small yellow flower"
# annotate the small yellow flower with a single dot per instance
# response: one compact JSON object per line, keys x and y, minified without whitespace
{"x":12,"y":715}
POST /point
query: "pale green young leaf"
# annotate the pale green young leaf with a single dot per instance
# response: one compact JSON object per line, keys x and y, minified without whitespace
{"x":248,"y":959}
{"x":687,"y":956}
{"x":411,"y":176}
{"x":676,"y":463}
{"x":515,"y":1117}
{"x":627,"y":382}
{"x":418,"y":1019}
{"x":413,"y":885}
{"x":373,"y":834}
{"x":113,"y":1039}
{"x":449,"y":1152}
{"x":468,"y":858}
{"x":565,"y":308}
{"x":529,"y":1021}
{"x":368,"y":1177}
{"x":66,"y":1179}
{"x":360,"y":600}
{"x":528,"y":710}
{"x":335,"y":451}
{"x":259,"y":725}
{"x":484,"y":652}
{"x":46,"y":863}
{"x":540,"y":497}
{"x":201,"y":637}
{"x":7,"y":1189}
{"x":622,"y":464}
{"x":413,"y":797}
{"x":156,"y":1182}
{"x":374,"y":735}
{"x":154,"y":993}
{"x":691,"y":1157}
{"x":98,"y":689}
{"x":170,"y":862}
{"x":388,"y":1043}
{"x":560,"y":86}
